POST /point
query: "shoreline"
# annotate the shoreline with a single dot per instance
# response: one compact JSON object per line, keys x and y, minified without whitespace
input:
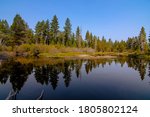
{"x":86,"y":56}
{"x":73,"y":55}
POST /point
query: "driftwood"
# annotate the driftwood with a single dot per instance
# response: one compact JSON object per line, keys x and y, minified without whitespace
{"x":41,"y":95}
{"x":11,"y":95}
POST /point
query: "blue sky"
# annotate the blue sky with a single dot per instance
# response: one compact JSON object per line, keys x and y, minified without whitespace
{"x":116,"y":19}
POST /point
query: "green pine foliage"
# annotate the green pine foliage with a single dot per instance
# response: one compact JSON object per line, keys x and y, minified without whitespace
{"x":78,"y":37}
{"x":87,"y":38}
{"x":142,"y":40}
{"x":4,"y":32}
{"x":42,"y":32}
{"x":67,"y":32}
{"x":54,"y":29}
{"x":18,"y":31}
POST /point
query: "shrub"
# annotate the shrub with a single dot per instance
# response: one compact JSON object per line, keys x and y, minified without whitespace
{"x":23,"y":48}
{"x":5,"y":48}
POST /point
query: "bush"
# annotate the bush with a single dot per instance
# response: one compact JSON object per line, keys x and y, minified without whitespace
{"x":27,"y":50}
{"x":24,"y":48}
{"x":5,"y":48}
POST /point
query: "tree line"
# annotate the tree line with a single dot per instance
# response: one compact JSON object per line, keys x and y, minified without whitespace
{"x":48,"y":32}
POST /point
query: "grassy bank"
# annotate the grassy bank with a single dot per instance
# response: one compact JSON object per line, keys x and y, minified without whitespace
{"x":33,"y":50}
{"x":59,"y":51}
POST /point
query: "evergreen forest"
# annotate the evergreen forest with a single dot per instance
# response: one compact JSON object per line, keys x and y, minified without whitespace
{"x":47,"y":39}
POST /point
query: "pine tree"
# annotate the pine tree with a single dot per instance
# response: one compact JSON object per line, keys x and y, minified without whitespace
{"x":4,"y":27}
{"x":116,"y":46}
{"x":110,"y":45}
{"x":87,"y":38}
{"x":91,"y":40}
{"x":136,"y":45}
{"x":38,"y":32}
{"x":42,"y":32}
{"x":78,"y":37}
{"x":67,"y":31}
{"x":46,"y":32}
{"x":103,"y":44}
{"x":142,"y":39}
{"x":30,"y":36}
{"x":133,"y":44}
{"x":54,"y":29}
{"x":73,"y":43}
{"x":61,"y":38}
{"x":4,"y":32}
{"x":121,"y":46}
{"x":95,"y":42}
{"x":18,"y":29}
{"x":98,"y":45}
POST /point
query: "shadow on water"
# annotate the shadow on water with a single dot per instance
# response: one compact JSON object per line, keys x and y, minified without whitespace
{"x":17,"y":73}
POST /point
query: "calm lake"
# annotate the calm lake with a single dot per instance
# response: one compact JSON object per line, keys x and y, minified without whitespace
{"x":102,"y":79}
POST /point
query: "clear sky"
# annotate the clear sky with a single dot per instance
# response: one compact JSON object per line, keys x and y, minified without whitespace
{"x":116,"y":19}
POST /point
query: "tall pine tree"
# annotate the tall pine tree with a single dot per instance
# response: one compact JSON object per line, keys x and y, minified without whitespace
{"x":18,"y":29}
{"x":4,"y":32}
{"x":87,"y":38}
{"x":67,"y":31}
{"x":78,"y":37}
{"x":142,"y":39}
{"x":54,"y":29}
{"x":39,"y":32}
{"x":47,"y":32}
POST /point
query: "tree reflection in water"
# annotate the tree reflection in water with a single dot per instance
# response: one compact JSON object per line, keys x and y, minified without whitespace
{"x":139,"y":65}
{"x":17,"y":73}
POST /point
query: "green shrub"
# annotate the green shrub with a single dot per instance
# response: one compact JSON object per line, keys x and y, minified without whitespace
{"x":5,"y":48}
{"x":23,"y":48}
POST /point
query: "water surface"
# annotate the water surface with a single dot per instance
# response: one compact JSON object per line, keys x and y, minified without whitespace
{"x":108,"y":79}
